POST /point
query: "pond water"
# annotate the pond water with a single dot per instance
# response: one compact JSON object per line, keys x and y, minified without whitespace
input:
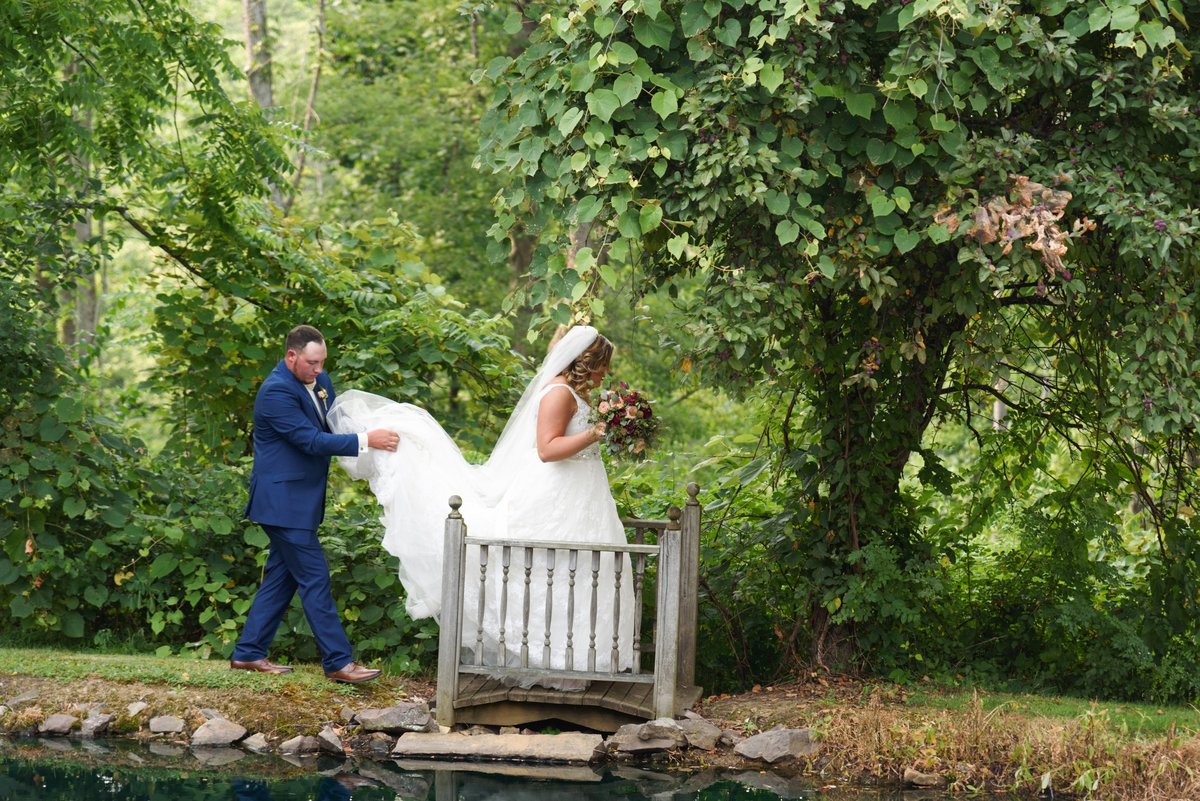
{"x":48,"y":770}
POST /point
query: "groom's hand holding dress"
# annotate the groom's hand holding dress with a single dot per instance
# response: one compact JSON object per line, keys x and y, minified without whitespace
{"x":292,"y":449}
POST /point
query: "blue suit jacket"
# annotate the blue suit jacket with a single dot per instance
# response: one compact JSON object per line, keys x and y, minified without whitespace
{"x":292,"y":448}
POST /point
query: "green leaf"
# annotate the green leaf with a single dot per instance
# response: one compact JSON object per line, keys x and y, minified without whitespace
{"x":68,"y":410}
{"x":882,"y":205}
{"x":587,"y":208}
{"x":693,"y":19}
{"x":163,"y":565}
{"x":609,"y":276}
{"x":627,"y":87}
{"x":630,"y":224}
{"x":96,"y":595}
{"x":676,"y":244}
{"x":664,"y":103}
{"x":51,"y":430}
{"x":650,"y":217}
{"x":880,"y":152}
{"x":570,"y":119}
{"x":1099,"y":17}
{"x":906,"y":240}
{"x":770,"y":77}
{"x":787,"y":232}
{"x":603,"y":102}
{"x":902,"y":197}
{"x":860,"y":104}
{"x":1124,"y":18}
{"x":918,"y":87}
{"x":74,"y":506}
{"x":513,"y":23}
{"x":778,"y":202}
{"x":939,"y":122}
{"x":900,"y":113}
{"x":653,"y":32}
{"x":8,"y":573}
{"x":19,"y":607}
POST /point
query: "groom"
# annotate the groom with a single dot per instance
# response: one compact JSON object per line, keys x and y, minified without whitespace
{"x":292,"y":448}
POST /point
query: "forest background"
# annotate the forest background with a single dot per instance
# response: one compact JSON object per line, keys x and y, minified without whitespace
{"x":925,"y":448}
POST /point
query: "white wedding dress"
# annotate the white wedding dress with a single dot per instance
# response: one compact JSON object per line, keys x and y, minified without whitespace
{"x":514,"y":495}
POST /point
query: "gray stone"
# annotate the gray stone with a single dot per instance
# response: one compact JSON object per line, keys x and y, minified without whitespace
{"x":380,"y":743}
{"x":731,"y":737}
{"x":398,"y":719}
{"x":628,"y":740}
{"x":916,"y":778}
{"x":331,"y":743}
{"x":700,"y":733}
{"x":211,"y":714}
{"x":166,"y":724}
{"x":58,"y":724}
{"x":778,"y":745}
{"x":257,"y":743}
{"x":216,"y":757}
{"x":217,"y":732}
{"x":96,"y":724}
{"x":167,"y":750}
{"x":569,"y":747}
{"x":24,"y":699}
{"x":348,"y":716}
{"x":303,"y":744}
{"x":663,"y":729}
{"x":136,"y":708}
{"x":509,"y":730}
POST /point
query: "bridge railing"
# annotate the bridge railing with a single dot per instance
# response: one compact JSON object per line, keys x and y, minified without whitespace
{"x":509,"y":605}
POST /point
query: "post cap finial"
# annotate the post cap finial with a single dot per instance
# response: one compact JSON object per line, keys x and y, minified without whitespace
{"x":673,"y":514}
{"x":693,"y":490}
{"x":455,"y":505}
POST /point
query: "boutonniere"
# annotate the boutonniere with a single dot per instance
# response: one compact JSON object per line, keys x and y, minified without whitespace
{"x":324,"y":396}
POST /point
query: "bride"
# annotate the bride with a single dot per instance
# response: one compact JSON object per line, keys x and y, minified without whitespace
{"x":544,"y":481}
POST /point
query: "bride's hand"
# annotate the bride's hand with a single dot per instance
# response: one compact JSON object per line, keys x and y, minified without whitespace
{"x":598,"y":431}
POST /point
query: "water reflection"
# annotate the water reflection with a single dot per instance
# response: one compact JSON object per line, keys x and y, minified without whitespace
{"x":58,"y":770}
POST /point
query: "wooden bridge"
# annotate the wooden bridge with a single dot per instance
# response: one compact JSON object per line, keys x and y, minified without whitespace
{"x":659,"y":681}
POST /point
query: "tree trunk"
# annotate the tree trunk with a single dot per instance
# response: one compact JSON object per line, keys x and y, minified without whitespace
{"x":258,"y":52}
{"x":258,"y":65}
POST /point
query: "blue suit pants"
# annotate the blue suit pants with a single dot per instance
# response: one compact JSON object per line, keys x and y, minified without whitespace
{"x":296,"y":562}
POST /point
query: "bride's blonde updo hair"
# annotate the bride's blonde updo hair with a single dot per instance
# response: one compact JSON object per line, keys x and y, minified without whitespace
{"x":597,"y":356}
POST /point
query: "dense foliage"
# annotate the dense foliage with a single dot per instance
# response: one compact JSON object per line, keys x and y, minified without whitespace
{"x":943,"y":251}
{"x":116,"y":117}
{"x":897,"y":213}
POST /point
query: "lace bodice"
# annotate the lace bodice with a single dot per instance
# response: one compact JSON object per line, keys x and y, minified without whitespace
{"x":580,"y":421}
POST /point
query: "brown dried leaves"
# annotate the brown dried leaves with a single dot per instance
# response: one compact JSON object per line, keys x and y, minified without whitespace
{"x":1031,"y":212}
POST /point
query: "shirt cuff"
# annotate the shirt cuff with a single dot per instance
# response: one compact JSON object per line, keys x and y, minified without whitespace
{"x":362,"y":442}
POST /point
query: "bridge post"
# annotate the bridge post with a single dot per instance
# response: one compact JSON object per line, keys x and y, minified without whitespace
{"x":689,"y":586}
{"x":450,"y":635}
{"x":666,"y":645}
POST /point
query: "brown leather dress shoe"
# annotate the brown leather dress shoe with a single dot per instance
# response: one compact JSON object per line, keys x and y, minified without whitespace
{"x":260,"y":666}
{"x":353,"y":673}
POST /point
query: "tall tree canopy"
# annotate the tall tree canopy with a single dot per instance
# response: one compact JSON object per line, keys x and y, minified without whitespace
{"x":894,"y":212}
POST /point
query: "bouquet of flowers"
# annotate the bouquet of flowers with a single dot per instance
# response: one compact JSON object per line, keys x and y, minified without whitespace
{"x":630,"y":424}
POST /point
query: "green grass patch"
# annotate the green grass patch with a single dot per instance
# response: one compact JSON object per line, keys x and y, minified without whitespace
{"x":1139,"y":720}
{"x":71,"y":666}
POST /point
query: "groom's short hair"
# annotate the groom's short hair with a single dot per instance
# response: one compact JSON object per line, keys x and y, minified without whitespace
{"x":299,"y":337}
